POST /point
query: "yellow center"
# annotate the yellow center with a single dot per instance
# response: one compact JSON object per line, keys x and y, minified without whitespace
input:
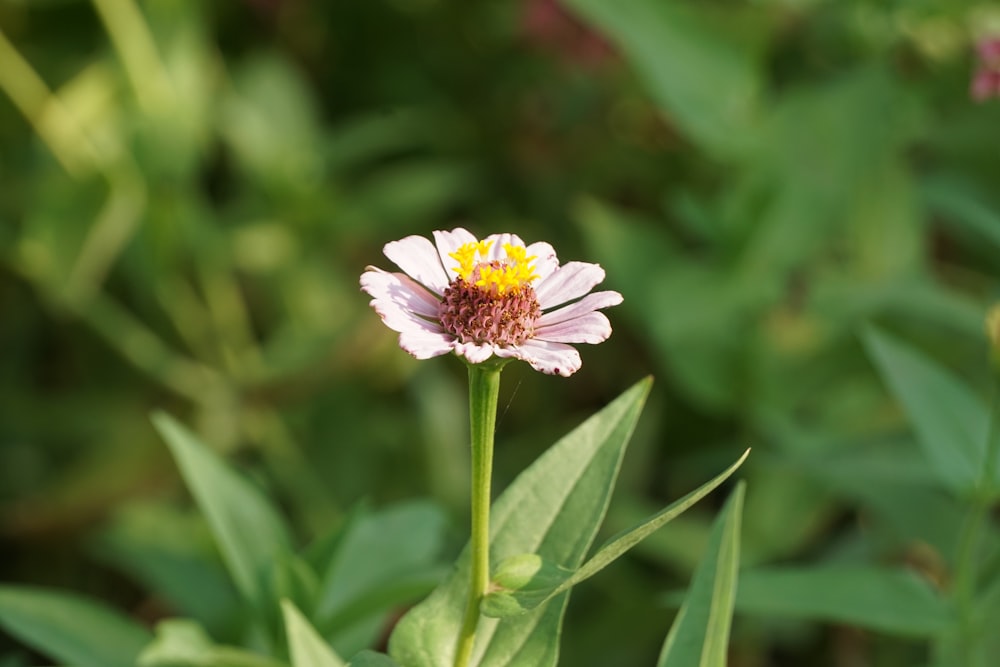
{"x":510,"y":273}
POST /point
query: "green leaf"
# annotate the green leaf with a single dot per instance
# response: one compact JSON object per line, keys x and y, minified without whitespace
{"x":372,"y":659}
{"x":552,"y":509}
{"x":249,"y":532}
{"x":184,"y":643}
{"x":700,"y":633}
{"x":693,"y":342}
{"x":71,"y":629}
{"x":704,"y":76}
{"x":888,"y":600}
{"x":951,"y":422}
{"x":307,"y":648}
{"x":358,"y":590}
{"x":533,"y":584}
{"x":963,"y":209}
{"x":169,"y":551}
{"x":293,"y":579}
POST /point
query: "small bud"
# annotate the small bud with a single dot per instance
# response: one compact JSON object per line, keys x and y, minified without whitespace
{"x":528,"y":572}
{"x":520,"y":584}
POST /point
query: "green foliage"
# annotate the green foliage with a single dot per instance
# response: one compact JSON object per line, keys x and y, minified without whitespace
{"x":951,"y":422}
{"x":525,"y":583}
{"x":182,"y":643}
{"x":797,"y":199}
{"x":307,"y":647}
{"x":71,"y":628}
{"x":699,"y":66}
{"x":700,"y":633}
{"x":883,"y":599}
{"x":249,"y":532}
{"x":567,"y":490}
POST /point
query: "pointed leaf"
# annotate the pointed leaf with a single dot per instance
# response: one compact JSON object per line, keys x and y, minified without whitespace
{"x":553,"y":509}
{"x":700,"y":633}
{"x":71,"y":629}
{"x":249,"y":532}
{"x":530,"y":590}
{"x":358,"y":591}
{"x":705,"y":79}
{"x":184,"y":643}
{"x":888,"y":600}
{"x":307,"y":648}
{"x":951,"y":422}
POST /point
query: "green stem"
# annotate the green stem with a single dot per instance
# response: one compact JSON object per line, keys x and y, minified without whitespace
{"x":484,"y":387}
{"x":966,"y":565}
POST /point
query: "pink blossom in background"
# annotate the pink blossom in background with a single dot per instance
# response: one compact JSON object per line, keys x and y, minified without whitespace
{"x":547,"y":25}
{"x":986,"y":79}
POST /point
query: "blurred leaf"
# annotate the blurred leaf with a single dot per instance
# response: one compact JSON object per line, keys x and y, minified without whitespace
{"x":895,"y":601}
{"x":382,"y":560}
{"x":372,"y":659}
{"x":689,"y":308}
{"x":171,"y":553}
{"x":784,"y":512}
{"x":270,"y":122}
{"x":568,"y":489}
{"x":307,"y":648}
{"x":71,"y":629}
{"x":293,"y":578}
{"x":822,"y":146}
{"x":397,"y":196}
{"x":536,"y":593}
{"x":700,"y":633}
{"x":950,"y":421}
{"x":963,"y":210}
{"x":704,"y":76}
{"x":183,"y":643}
{"x":372,"y":136}
{"x":249,"y":532}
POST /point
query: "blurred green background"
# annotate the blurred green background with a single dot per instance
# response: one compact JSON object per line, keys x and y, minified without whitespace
{"x":189,"y":192}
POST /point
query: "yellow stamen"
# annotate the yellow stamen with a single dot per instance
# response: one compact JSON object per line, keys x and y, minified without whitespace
{"x":509,"y":273}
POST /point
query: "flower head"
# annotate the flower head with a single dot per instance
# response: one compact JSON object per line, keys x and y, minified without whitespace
{"x":491,"y":297}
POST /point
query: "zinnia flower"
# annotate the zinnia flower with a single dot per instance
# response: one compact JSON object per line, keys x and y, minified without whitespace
{"x":488,"y":298}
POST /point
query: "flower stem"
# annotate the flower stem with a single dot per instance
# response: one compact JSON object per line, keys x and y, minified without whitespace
{"x":484,"y":387}
{"x":977,"y":519}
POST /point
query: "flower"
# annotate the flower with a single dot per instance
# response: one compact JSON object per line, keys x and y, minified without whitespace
{"x":488,"y":298}
{"x":986,"y":79}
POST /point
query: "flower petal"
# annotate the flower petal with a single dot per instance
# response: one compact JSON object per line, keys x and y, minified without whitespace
{"x":591,"y":328}
{"x":402,"y":320}
{"x":449,"y":242}
{"x":475,"y":353}
{"x":587,"y":304}
{"x":425,"y":344}
{"x":401,"y":290}
{"x":550,"y":358}
{"x":418,"y":258}
{"x":395,"y":312}
{"x":545,"y":259}
{"x":571,"y":280}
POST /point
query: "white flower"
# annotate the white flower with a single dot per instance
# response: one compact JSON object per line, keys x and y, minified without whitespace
{"x":487,"y":298}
